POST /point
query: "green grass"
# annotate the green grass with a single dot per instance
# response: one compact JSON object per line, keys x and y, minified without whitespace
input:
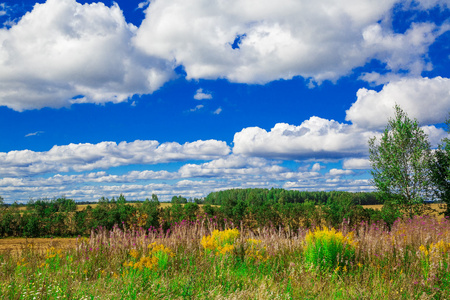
{"x":385,"y":265}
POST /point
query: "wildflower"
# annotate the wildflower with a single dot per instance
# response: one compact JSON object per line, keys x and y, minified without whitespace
{"x":220,"y":242}
{"x":134,"y":253}
{"x":156,"y":258}
{"x":424,"y":250}
{"x":324,"y":246}
{"x":255,"y":251}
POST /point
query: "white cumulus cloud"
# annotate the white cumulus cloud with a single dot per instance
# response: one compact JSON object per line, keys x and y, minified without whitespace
{"x":338,"y":172}
{"x":315,"y":138}
{"x":200,"y":95}
{"x":63,"y":52}
{"x":256,"y":42}
{"x":104,"y":155}
{"x":427,"y":100}
{"x":356,"y":164}
{"x":316,"y":167}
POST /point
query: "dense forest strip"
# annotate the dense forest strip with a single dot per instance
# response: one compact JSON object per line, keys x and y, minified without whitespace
{"x":252,"y":208}
{"x":256,"y":196}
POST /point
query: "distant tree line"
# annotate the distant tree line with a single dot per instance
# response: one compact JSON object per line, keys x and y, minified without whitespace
{"x":283,"y":196}
{"x":251,"y":207}
{"x":60,"y":217}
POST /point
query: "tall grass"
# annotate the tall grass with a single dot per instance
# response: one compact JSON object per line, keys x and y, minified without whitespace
{"x":410,"y":261}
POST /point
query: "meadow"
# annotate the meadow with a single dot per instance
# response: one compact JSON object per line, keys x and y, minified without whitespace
{"x":207,"y":259}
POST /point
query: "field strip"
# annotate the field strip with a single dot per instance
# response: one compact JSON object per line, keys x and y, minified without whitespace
{"x":16,"y":245}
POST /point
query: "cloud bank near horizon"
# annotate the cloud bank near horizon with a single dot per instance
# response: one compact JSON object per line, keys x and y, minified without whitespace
{"x":255,"y":160}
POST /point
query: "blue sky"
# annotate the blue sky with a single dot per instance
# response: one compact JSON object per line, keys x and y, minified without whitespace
{"x":186,"y":97}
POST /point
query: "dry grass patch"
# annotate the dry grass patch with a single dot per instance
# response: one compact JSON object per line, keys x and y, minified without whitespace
{"x":16,"y":245}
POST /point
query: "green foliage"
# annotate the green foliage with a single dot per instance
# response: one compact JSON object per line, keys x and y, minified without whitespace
{"x":10,"y":221}
{"x":191,"y":211}
{"x":152,"y":209}
{"x":30,"y":224}
{"x":256,"y":196}
{"x":339,"y":209}
{"x":111,"y":212}
{"x":390,"y":212}
{"x":327,"y":249}
{"x":210,"y":210}
{"x":440,"y":171}
{"x":400,"y":162}
{"x":81,"y":222}
{"x":176,"y":212}
{"x":178,"y":200}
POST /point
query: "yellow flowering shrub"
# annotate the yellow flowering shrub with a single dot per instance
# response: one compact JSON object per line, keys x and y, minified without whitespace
{"x":431,"y":257}
{"x":220,"y":242}
{"x":157,"y":258}
{"x":328,"y":248}
{"x":255,"y":251}
{"x":52,"y":253}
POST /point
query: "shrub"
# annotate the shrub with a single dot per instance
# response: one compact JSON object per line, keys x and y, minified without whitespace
{"x":327,"y":248}
{"x":220,"y":242}
{"x":156,"y":258}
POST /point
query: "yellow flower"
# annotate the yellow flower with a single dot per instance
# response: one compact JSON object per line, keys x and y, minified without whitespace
{"x":22,"y":262}
{"x":424,"y":250}
{"x":220,"y":242}
{"x":134,"y":253}
{"x":155,"y":248}
{"x":254,"y":241}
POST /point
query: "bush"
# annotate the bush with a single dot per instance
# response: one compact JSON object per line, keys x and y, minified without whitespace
{"x":30,"y":224}
{"x":151,"y":208}
{"x":327,"y":249}
{"x":220,"y":242}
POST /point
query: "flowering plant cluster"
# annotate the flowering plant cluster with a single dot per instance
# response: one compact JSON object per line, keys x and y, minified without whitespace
{"x":157,"y":257}
{"x":328,"y":248}
{"x":220,"y":242}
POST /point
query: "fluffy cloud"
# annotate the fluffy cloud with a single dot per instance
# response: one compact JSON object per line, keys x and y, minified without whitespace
{"x":234,"y":165}
{"x":426,"y":99}
{"x":356,"y":164}
{"x":104,"y":155}
{"x":316,"y":167}
{"x":427,"y":4}
{"x":250,"y":43}
{"x":338,"y":172}
{"x":190,"y":180}
{"x":2,"y":9}
{"x":336,"y":184}
{"x":402,"y":51}
{"x":200,"y":95}
{"x":63,"y":52}
{"x":315,"y":138}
